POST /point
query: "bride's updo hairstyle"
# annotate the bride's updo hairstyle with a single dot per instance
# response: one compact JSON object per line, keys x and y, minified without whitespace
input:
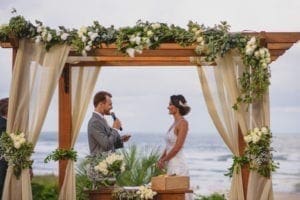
{"x":179,"y":102}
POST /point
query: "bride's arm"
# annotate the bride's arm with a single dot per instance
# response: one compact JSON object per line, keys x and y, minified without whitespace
{"x":181,"y":135}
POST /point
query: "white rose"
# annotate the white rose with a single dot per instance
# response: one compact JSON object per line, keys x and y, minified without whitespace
{"x":198,"y":32}
{"x":58,"y":32}
{"x":137,"y":40}
{"x":83,"y":29}
{"x":194,"y":29}
{"x":17,"y":145}
{"x":83,"y":53}
{"x":130,"y":52}
{"x":83,"y":38}
{"x":259,"y":133}
{"x":252,"y":41}
{"x":155,"y":26}
{"x":255,"y":138}
{"x":256,"y":130}
{"x":149,"y":33}
{"x":199,"y":39}
{"x":268,"y":60}
{"x":264,"y":65}
{"x":88,"y":48}
{"x":264,"y":130}
{"x":90,"y":33}
{"x":44,"y":33}
{"x":249,"y":50}
{"x":64,"y":36}
{"x":39,"y":29}
{"x":256,"y":54}
{"x":94,"y":36}
{"x":49,"y":37}
{"x":248,"y":138}
{"x":38,"y":39}
{"x":262,"y":52}
{"x":132,"y":39}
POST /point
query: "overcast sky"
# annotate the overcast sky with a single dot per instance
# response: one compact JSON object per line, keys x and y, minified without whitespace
{"x":141,"y":96}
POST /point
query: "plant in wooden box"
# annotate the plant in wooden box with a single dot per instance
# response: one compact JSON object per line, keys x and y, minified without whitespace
{"x":103,"y":169}
{"x":140,"y":166}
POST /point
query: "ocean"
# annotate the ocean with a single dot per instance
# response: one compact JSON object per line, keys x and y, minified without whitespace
{"x":208,"y":158}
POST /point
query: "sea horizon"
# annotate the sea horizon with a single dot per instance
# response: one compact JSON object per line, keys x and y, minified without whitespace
{"x":207,"y":156}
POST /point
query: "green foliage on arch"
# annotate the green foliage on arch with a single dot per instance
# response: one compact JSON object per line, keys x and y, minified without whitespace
{"x":209,"y":42}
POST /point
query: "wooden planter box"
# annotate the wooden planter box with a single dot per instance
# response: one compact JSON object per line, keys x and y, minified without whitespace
{"x":106,"y":193}
{"x":100,"y":194}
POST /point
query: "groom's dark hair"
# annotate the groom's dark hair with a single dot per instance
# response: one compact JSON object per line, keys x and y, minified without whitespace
{"x":179,"y":102}
{"x":101,"y":97}
{"x":3,"y":106}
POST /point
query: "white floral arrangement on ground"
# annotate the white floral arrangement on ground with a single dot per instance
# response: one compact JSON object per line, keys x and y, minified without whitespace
{"x":16,"y":151}
{"x":146,"y":192}
{"x":141,"y":193}
{"x":104,"y":168}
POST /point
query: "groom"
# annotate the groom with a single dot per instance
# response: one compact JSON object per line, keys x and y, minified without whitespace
{"x":101,"y":136}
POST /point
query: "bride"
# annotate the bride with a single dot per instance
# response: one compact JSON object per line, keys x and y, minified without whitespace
{"x":173,"y":157}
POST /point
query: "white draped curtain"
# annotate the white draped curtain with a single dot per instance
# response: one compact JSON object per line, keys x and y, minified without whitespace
{"x":221,"y":88}
{"x":35,"y":76}
{"x":83,"y":80}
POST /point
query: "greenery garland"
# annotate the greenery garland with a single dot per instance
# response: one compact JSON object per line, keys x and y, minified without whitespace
{"x":210,"y":43}
{"x":62,"y":154}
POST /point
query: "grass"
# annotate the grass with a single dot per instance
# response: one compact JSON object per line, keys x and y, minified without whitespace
{"x":44,"y":187}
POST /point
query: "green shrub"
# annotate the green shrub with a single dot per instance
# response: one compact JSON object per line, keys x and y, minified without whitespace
{"x":140,"y":166}
{"x":45,"y":187}
{"x":214,"y":196}
{"x":82,"y":182}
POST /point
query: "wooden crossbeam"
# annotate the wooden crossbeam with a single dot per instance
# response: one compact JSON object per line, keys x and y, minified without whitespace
{"x":168,"y":54}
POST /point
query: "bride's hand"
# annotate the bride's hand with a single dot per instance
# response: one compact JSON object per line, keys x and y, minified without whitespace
{"x":160,"y":164}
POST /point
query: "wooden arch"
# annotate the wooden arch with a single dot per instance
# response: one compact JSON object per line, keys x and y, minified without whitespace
{"x":168,"y":54}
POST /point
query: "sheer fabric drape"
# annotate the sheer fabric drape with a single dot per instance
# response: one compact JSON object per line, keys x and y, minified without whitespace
{"x":83,"y":80}
{"x":220,"y":88}
{"x":35,"y":77}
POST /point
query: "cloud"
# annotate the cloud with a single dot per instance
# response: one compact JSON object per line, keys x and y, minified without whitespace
{"x":287,"y":109}
{"x":141,"y":94}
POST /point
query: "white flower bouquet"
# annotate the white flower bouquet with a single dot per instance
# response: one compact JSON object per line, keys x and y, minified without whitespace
{"x":103,"y":169}
{"x":16,"y":151}
{"x":258,"y":151}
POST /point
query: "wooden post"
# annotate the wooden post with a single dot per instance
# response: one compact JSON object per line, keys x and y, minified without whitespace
{"x":245,"y":169}
{"x":65,"y":118}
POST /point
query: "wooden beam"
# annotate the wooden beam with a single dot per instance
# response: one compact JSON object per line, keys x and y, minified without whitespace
{"x":284,"y":45}
{"x":64,"y":117}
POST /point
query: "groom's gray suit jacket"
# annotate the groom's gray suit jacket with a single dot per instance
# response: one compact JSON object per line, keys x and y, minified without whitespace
{"x":101,"y":136}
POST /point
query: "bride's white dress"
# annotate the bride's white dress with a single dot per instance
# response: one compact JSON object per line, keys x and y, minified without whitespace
{"x":177,"y":165}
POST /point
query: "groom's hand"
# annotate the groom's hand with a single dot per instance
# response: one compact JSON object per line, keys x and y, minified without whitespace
{"x":125,"y":138}
{"x":117,"y":124}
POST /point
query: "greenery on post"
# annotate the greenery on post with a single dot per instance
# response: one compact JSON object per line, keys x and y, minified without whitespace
{"x":62,"y":154}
